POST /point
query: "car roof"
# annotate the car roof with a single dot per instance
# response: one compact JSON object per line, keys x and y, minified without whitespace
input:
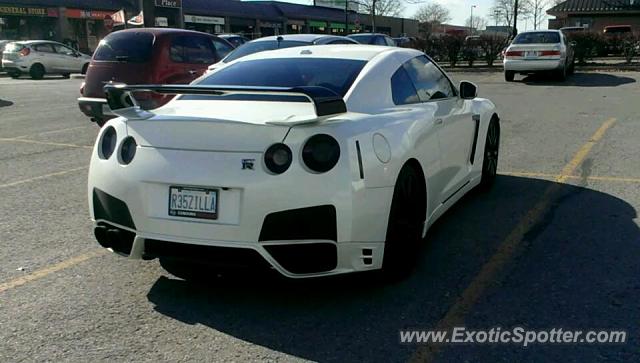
{"x":342,"y":51}
{"x":541,"y":31}
{"x":296,"y":37}
{"x":230,"y":35}
{"x":160,"y":31}
{"x":368,"y":34}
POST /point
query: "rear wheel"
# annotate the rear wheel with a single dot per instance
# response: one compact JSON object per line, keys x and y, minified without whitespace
{"x":84,"y":68}
{"x":406,"y":221}
{"x":490,"y":160}
{"x":509,"y":75}
{"x":572,"y":67}
{"x":561,"y":74}
{"x":14,"y":74}
{"x":66,"y":75}
{"x":37,"y":71}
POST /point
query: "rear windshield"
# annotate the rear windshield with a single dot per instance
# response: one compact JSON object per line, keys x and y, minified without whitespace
{"x":261,"y":46}
{"x":537,"y":38}
{"x":13,"y":47}
{"x":125,"y":47}
{"x":363,"y":39}
{"x":289,"y":72}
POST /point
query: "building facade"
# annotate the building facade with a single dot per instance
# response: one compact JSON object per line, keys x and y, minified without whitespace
{"x":595,"y":14}
{"x":83,"y":24}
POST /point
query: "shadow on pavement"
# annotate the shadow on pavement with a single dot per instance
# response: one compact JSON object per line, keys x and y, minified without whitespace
{"x":5,"y":103}
{"x":585,"y":247}
{"x":579,"y":80}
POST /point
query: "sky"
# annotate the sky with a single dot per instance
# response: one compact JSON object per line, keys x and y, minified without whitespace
{"x":460,"y":10}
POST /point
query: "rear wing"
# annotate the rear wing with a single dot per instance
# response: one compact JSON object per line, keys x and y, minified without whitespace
{"x":122,"y":102}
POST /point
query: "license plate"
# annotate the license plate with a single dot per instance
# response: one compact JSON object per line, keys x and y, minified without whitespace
{"x":193,"y":202}
{"x":531,"y":54}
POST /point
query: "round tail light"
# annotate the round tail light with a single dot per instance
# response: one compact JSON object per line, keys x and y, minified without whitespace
{"x":108,"y":143}
{"x":278,"y":158}
{"x":321,"y":153}
{"x":128,"y":150}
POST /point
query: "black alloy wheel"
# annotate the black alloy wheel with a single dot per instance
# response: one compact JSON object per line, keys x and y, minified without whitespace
{"x":491,"y":152}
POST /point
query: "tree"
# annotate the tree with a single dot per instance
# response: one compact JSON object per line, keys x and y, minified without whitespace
{"x":479,"y":23}
{"x":433,"y":13}
{"x":382,"y":7}
{"x":537,"y":11}
{"x":503,"y":10}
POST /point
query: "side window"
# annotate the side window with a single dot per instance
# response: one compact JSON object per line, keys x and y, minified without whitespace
{"x":380,"y":41}
{"x":61,"y":49}
{"x":190,"y":49}
{"x":43,"y":48}
{"x":222,"y":48}
{"x":340,"y":41}
{"x":402,"y":90}
{"x":390,"y":42}
{"x":429,"y":81}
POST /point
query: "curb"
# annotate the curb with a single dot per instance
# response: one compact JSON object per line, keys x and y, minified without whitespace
{"x":77,"y":76}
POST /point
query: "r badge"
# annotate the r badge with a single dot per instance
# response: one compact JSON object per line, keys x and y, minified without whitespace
{"x":247,"y":164}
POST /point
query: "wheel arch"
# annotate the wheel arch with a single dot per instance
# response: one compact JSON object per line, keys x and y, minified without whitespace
{"x":422,"y":192}
{"x":38,"y":64}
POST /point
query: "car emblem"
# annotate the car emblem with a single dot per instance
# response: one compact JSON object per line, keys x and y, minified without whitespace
{"x":247,"y":164}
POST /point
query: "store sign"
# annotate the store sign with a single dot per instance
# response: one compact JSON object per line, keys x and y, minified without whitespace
{"x":169,"y":3}
{"x":162,"y":22}
{"x":87,"y":14}
{"x":203,"y":19}
{"x":19,"y":10}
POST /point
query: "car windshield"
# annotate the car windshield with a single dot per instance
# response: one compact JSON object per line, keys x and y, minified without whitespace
{"x":261,"y":46}
{"x":363,"y":39}
{"x":125,"y":47}
{"x":289,"y":72}
{"x":537,"y":38}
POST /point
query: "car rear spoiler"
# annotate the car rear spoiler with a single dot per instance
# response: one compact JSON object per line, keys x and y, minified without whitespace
{"x":119,"y":96}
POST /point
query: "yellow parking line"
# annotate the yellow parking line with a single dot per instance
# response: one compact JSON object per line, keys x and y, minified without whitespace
{"x":38,"y":274}
{"x":555,"y":176}
{"x":13,"y":139}
{"x":456,"y":314}
{"x":54,"y":131}
{"x":614,"y":178}
{"x":41,"y":177}
{"x":529,"y":174}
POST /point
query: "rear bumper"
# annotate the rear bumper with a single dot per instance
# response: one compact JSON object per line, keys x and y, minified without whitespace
{"x":8,"y":65}
{"x":96,"y":108}
{"x":537,"y":65}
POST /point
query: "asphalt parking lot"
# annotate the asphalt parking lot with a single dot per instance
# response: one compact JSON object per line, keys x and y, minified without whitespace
{"x":555,"y":243}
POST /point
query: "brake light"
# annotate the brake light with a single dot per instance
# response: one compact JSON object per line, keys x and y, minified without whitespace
{"x":514,"y":53}
{"x":549,"y":52}
{"x":24,"y":52}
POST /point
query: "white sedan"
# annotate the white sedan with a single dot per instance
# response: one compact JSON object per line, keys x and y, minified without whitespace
{"x":311,"y":161}
{"x":539,"y":51}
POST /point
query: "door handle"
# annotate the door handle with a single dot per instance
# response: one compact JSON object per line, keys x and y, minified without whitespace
{"x":438,"y":121}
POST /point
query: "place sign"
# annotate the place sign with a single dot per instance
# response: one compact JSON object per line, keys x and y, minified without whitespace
{"x":169,"y":3}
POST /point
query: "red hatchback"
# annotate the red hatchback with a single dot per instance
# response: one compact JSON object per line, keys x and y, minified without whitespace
{"x":147,"y":56}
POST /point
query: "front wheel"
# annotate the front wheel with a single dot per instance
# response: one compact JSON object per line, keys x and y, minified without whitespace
{"x":491,"y":149}
{"x":37,"y":71}
{"x":509,"y":75}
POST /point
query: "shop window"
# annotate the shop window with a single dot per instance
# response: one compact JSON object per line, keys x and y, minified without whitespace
{"x":61,"y":49}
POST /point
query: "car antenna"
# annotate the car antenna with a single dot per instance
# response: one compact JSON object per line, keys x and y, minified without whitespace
{"x":279,"y":39}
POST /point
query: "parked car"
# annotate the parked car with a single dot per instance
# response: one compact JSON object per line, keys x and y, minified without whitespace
{"x":568,"y":30}
{"x":313,"y":161}
{"x":617,"y":29}
{"x":539,"y":51}
{"x":40,"y":57}
{"x":3,"y":43}
{"x":373,"y":39}
{"x":281,"y":41}
{"x":613,"y":35}
{"x":234,"y":39}
{"x":149,"y":55}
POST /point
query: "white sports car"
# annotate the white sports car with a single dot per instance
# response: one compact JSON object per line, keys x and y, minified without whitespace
{"x":311,"y":161}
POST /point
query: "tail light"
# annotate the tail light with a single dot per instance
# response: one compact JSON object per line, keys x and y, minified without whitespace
{"x":549,"y":52}
{"x":321,"y":153}
{"x":24,"y":52}
{"x":514,"y":53}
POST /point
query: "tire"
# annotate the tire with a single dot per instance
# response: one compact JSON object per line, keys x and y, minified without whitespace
{"x":66,"y":75}
{"x":509,"y":75}
{"x":14,"y":75}
{"x":37,"y":71}
{"x":84,"y":68}
{"x":490,"y":155}
{"x":406,"y":222}
{"x":561,"y":74}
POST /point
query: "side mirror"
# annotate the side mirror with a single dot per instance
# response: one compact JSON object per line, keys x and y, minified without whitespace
{"x":468,"y":90}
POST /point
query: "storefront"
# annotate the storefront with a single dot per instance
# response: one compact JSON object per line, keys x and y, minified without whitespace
{"x":87,"y":28}
{"x":207,"y":24}
{"x":24,"y":23}
{"x":270,"y":28}
{"x":317,"y":27}
{"x":246,"y":27}
{"x":295,"y":26}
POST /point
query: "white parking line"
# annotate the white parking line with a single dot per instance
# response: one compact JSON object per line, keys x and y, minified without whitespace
{"x":13,"y":139}
{"x":18,"y":182}
{"x":53,"y":131}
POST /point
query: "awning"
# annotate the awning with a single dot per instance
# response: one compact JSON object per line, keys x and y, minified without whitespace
{"x":317,"y":24}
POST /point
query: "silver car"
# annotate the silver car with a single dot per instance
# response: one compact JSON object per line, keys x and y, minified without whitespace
{"x":40,"y":57}
{"x":539,"y":51}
